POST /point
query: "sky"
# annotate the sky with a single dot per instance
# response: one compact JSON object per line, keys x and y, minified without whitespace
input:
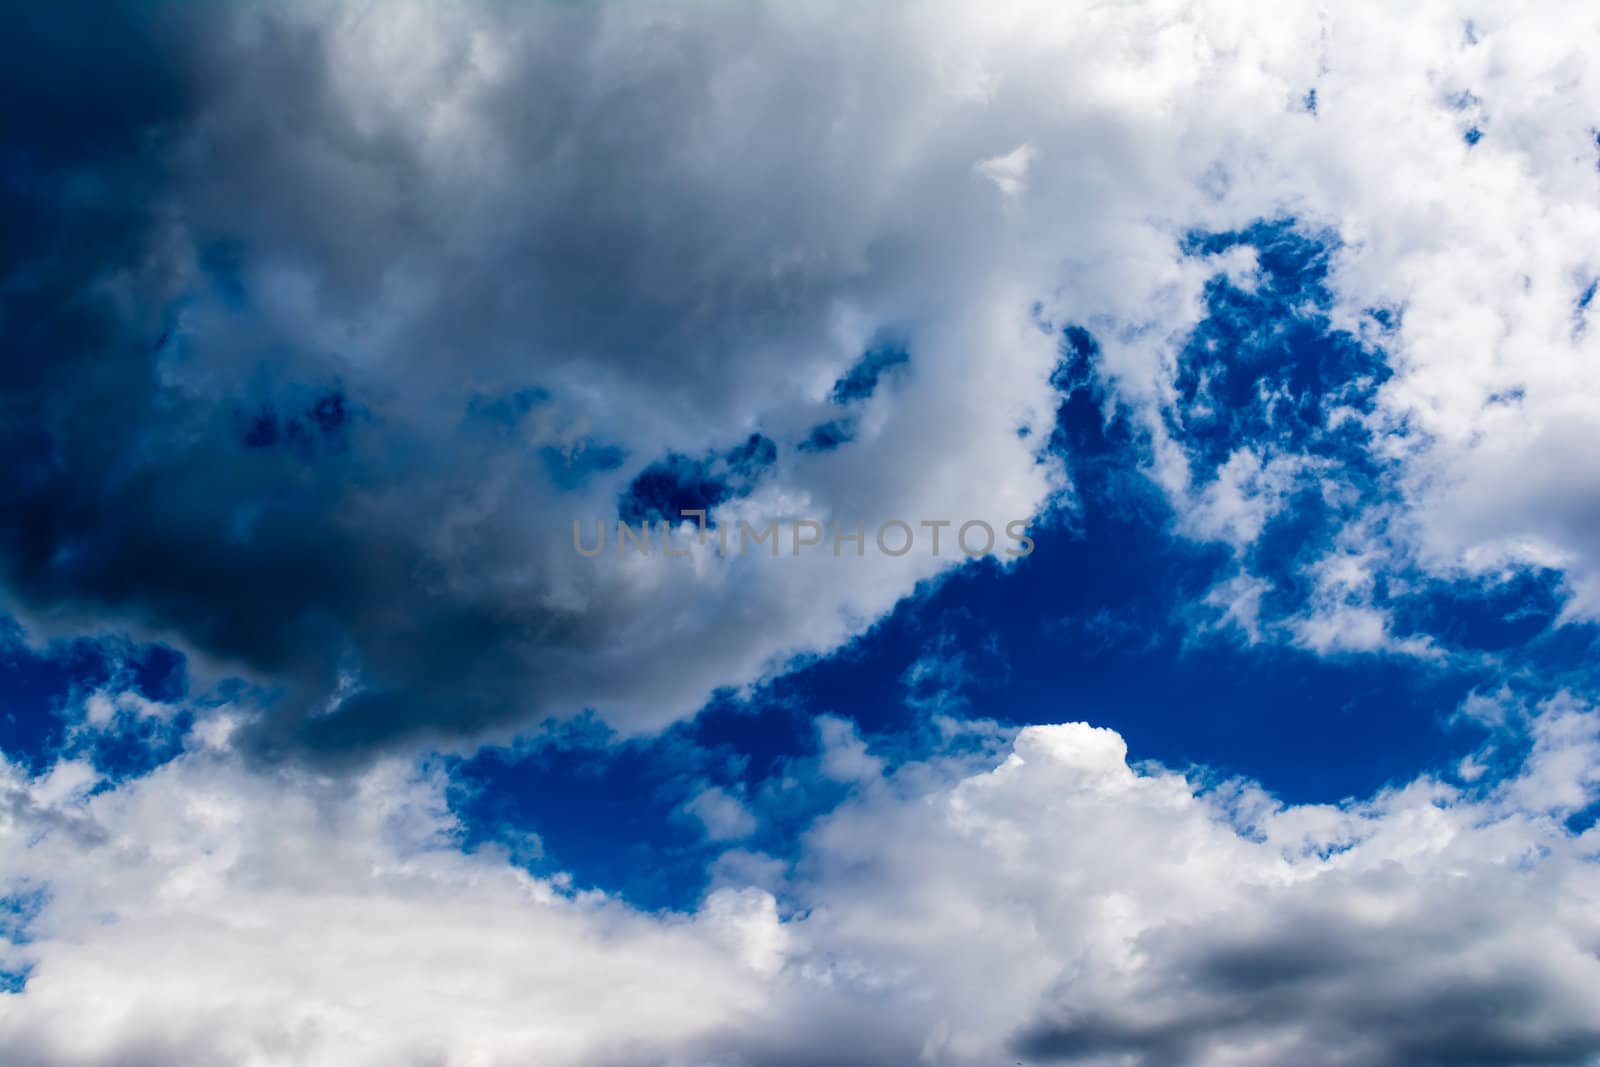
{"x":391,"y":394}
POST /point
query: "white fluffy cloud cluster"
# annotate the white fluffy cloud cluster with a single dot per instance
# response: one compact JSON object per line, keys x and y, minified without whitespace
{"x":210,"y":915}
{"x":1061,"y":906}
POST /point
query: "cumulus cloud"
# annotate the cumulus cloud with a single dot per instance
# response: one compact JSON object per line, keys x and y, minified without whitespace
{"x":1061,"y":906}
{"x":377,"y":306}
{"x":204,"y":915}
{"x":1092,"y":913}
{"x":723,"y":815}
{"x":334,"y":322}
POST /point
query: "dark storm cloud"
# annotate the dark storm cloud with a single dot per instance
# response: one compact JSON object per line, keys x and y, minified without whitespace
{"x":181,"y":511}
{"x":267,"y":288}
{"x":1449,"y":988}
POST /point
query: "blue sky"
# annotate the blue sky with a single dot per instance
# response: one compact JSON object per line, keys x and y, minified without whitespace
{"x":335,"y":334}
{"x":1104,"y":623}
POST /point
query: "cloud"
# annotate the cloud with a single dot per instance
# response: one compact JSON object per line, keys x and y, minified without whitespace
{"x":337,"y":387}
{"x":334,"y":320}
{"x":328,"y":322}
{"x":1085,"y":911}
{"x":1088,"y":912}
{"x":205,"y":914}
{"x":723,"y":815}
{"x":844,"y":756}
{"x":1008,"y":172}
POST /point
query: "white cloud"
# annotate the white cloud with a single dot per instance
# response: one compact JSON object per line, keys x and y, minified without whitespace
{"x":844,"y":754}
{"x":1059,"y":905}
{"x":1008,"y":172}
{"x":205,"y":914}
{"x":723,"y":815}
{"x":1246,"y":492}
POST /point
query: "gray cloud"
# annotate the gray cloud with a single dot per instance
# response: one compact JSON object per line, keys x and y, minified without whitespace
{"x":1448,"y":986}
{"x":247,"y":219}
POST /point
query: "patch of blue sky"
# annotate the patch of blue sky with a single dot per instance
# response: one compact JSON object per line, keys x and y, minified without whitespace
{"x":1099,"y":624}
{"x":19,"y":906}
{"x":42,"y":691}
{"x":35,"y":690}
{"x":132,"y":745}
{"x":1088,"y":628}
{"x":1584,"y":819}
{"x":667,"y":488}
{"x":571,"y":467}
{"x":307,"y":422}
{"x":1264,"y":368}
{"x":1581,"y":306}
{"x":828,"y":436}
{"x":570,"y":464}
{"x":862,"y":379}
{"x":1062,"y":639}
{"x":612,"y":815}
{"x":1497,"y":613}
